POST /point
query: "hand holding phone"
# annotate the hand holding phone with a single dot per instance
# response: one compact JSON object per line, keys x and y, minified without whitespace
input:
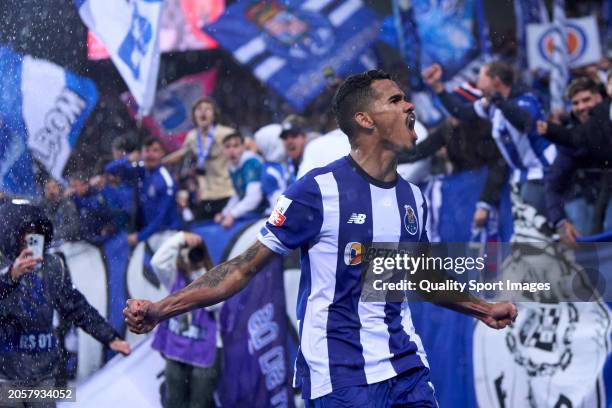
{"x":36,"y":244}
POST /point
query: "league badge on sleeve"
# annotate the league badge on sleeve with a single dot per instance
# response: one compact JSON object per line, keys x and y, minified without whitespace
{"x":410,"y":222}
{"x":277,"y":218}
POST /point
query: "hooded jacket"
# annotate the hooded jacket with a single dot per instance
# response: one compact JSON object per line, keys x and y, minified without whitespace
{"x":29,"y":350}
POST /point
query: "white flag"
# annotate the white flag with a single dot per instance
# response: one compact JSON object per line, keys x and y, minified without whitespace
{"x":129,"y":30}
{"x":559,"y":70}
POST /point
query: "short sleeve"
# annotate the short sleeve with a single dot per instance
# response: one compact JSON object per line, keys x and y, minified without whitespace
{"x":296,"y":219}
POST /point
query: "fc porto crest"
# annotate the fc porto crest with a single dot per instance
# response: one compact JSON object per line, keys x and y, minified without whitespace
{"x":292,"y":32}
{"x":410,"y":221}
{"x":576,"y":41}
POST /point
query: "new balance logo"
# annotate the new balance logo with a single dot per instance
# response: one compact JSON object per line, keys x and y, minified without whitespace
{"x":356,"y":218}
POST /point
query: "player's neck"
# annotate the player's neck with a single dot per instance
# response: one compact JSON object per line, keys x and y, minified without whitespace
{"x":377,"y":162}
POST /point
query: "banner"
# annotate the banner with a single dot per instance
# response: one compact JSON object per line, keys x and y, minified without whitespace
{"x":48,"y":104}
{"x":16,"y":175}
{"x":527,"y":12}
{"x":290,"y":45}
{"x":170,"y":118}
{"x":559,"y":74}
{"x":254,"y":333}
{"x":180,"y":27}
{"x":583,"y":45}
{"x":130,"y":32}
{"x":606,"y":13}
{"x":456,"y":36}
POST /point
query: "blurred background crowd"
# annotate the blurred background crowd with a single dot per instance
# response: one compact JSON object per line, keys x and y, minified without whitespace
{"x":512,"y":97}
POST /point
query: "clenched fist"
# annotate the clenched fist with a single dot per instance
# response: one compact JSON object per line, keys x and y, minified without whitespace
{"x":500,"y":315}
{"x":432,"y":76}
{"x":140,"y":315}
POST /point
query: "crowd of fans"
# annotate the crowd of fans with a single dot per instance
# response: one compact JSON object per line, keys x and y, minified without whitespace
{"x":219,"y":173}
{"x":558,"y":163}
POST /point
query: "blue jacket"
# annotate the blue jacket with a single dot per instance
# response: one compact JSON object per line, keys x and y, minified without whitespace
{"x":156,"y":196}
{"x":95,"y":215}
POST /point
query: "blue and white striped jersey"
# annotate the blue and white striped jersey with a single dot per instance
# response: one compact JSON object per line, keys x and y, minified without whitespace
{"x":527,"y":154}
{"x":328,"y":213}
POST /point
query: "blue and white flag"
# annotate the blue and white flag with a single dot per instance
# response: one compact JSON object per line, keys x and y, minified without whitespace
{"x":454,"y":35}
{"x":129,"y":30}
{"x":16,"y":175}
{"x":527,"y":12}
{"x":42,"y":106}
{"x":606,"y":13}
{"x":559,"y":70}
{"x":582,"y":42}
{"x":290,"y":45}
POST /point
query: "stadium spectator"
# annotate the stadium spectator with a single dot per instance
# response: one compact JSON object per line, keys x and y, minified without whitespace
{"x":121,"y":195}
{"x":33,"y":289}
{"x":469,"y":147}
{"x":191,"y":342}
{"x":61,"y":211}
{"x":95,"y":215}
{"x":245,"y":171}
{"x":275,"y":175}
{"x":294,"y":140}
{"x":594,"y":136}
{"x":513,"y":113}
{"x":585,"y":151}
{"x":204,"y":144}
{"x":156,"y":190}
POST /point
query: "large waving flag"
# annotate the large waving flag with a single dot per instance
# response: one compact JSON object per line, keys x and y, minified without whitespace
{"x":42,"y":106}
{"x":170,"y":118}
{"x":606,"y":13}
{"x":290,"y":45}
{"x":559,"y":72}
{"x":15,"y":161}
{"x":455,"y":36}
{"x":180,"y":27}
{"x":527,"y":12}
{"x":129,"y":30}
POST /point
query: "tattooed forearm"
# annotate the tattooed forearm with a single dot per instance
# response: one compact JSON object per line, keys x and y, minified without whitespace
{"x":213,"y":277}
{"x":237,"y":272}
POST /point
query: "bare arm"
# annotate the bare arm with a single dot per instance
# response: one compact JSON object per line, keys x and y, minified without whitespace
{"x":494,"y":315}
{"x":174,"y":157}
{"x":214,"y":286}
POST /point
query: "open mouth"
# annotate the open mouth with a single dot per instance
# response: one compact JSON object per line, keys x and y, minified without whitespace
{"x":411,"y":120}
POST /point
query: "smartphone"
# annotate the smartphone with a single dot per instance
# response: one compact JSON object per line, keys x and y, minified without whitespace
{"x":35,"y":243}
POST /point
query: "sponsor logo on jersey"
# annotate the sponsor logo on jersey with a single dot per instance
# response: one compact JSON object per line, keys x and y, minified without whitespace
{"x":356,"y":218}
{"x":352,"y":253}
{"x":277,"y":218}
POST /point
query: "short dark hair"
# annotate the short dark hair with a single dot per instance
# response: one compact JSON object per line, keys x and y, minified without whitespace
{"x":354,"y":95}
{"x":502,"y":70}
{"x":151,"y":140}
{"x":233,"y":135}
{"x":582,"y":84}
